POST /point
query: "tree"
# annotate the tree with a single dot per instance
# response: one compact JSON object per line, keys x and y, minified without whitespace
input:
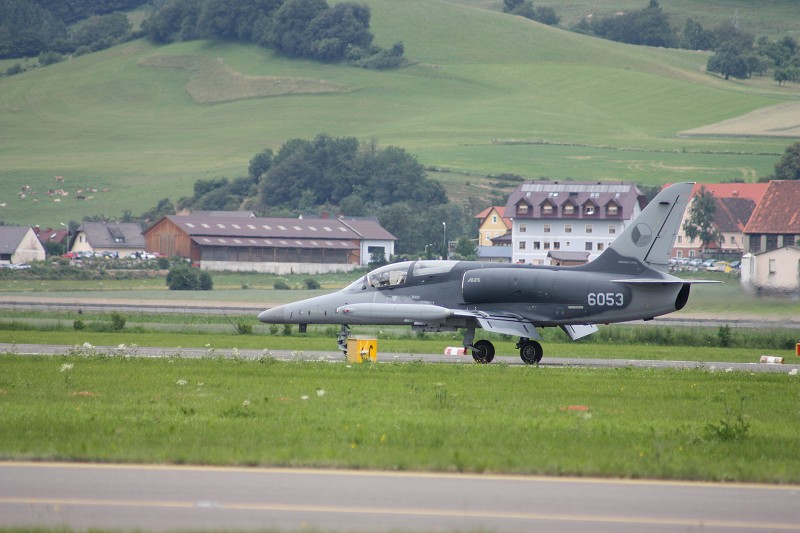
{"x":695,"y":37}
{"x":260,"y":164}
{"x":332,"y":31}
{"x":788,"y":168}
{"x":290,"y":23}
{"x":700,"y":223}
{"x":466,"y":248}
{"x":729,"y":62}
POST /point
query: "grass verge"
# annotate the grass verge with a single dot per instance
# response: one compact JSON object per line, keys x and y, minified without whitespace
{"x":632,"y":423}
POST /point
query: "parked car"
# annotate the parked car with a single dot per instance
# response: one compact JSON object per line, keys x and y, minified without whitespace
{"x":736,"y":265}
{"x":722,"y":266}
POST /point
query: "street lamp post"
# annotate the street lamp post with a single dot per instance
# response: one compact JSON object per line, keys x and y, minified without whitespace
{"x":66,"y":245}
{"x":446,"y":251}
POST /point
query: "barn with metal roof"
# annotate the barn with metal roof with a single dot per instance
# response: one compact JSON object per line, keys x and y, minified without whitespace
{"x":276,"y":245}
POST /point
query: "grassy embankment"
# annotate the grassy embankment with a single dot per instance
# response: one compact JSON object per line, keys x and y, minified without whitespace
{"x":488,"y":94}
{"x":465,"y":418}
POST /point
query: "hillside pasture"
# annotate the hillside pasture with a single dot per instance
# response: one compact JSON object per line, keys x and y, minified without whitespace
{"x":212,"y":81}
{"x":487,"y":93}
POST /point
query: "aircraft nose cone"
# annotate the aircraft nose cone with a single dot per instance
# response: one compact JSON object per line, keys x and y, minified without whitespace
{"x":271,"y":316}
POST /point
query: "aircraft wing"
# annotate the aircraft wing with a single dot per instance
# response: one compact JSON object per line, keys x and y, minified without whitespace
{"x":510,"y":324}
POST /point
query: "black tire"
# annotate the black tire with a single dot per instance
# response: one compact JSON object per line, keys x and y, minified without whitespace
{"x":483,"y":352}
{"x":531,"y":352}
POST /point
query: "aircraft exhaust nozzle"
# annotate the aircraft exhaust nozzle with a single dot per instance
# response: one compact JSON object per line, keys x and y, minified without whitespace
{"x":407,"y":312}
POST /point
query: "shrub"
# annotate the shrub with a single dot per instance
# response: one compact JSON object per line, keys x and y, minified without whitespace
{"x":280,"y":285}
{"x":182,"y":277}
{"x":78,"y":325}
{"x":311,"y":284}
{"x":117,"y":322}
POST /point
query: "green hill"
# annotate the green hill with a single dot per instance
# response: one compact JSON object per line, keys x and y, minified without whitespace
{"x":488,"y":94}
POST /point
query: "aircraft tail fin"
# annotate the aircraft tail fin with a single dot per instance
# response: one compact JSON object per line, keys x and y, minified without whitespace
{"x":649,"y":239}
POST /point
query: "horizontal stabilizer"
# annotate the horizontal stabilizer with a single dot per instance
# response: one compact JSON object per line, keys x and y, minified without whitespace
{"x":579,"y":331}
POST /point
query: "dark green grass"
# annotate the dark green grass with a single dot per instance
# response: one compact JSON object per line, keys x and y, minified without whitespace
{"x":462,"y":418}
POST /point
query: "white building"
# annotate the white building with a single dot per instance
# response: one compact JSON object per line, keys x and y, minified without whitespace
{"x":569,"y":216}
{"x":19,"y":244}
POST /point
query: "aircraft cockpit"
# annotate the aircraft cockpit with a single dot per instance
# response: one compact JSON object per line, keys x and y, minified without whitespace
{"x":397,"y":274}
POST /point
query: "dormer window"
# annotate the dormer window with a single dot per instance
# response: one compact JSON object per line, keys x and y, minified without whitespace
{"x":589,"y":209}
{"x":612,"y":209}
{"x":548,"y":208}
{"x":569,"y":209}
{"x":522,"y":208}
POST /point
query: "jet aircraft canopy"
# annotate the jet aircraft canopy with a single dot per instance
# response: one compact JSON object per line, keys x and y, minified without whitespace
{"x":398,"y":274}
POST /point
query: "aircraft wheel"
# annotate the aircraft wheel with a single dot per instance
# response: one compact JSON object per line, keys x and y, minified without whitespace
{"x":483,"y":351}
{"x":531,"y":352}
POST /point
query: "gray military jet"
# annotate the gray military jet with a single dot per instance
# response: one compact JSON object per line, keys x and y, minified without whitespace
{"x":628,"y":281}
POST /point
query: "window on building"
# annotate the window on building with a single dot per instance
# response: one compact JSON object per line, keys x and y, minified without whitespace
{"x":789,"y":240}
{"x":547,"y":209}
{"x":537,"y":245}
{"x":522,"y":209}
{"x":569,"y":209}
{"x":612,"y":229}
{"x":588,"y":210}
{"x":523,"y":228}
{"x":494,"y":219}
{"x":521,"y":245}
{"x":588,"y":246}
{"x":612,"y":210}
{"x":733,"y":240}
{"x":567,"y":228}
{"x":556,"y":245}
{"x":772,"y":242}
{"x":773,"y":266}
{"x":755,"y":243}
{"x":600,"y":246}
{"x":547,"y":246}
{"x":680,"y":239}
{"x":588,"y":229}
{"x":546,"y":228}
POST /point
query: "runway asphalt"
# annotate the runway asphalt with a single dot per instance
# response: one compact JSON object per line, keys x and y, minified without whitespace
{"x":168,"y":498}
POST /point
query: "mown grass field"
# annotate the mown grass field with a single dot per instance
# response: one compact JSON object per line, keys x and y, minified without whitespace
{"x":488,"y":93}
{"x":463,"y":418}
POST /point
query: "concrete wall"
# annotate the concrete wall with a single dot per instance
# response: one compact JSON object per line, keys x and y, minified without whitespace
{"x":278,"y":268}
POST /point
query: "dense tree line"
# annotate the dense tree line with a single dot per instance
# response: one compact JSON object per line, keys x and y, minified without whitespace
{"x":30,"y":28}
{"x":736,"y":52}
{"x":296,"y":28}
{"x":340,"y":175}
{"x":525,"y":8}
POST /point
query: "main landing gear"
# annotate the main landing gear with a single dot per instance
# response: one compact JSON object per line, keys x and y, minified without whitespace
{"x":530,"y":351}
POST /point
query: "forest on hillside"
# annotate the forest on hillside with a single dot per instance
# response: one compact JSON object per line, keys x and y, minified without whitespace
{"x":295,"y":28}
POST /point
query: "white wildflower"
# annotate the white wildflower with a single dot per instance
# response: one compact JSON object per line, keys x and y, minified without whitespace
{"x":304,"y":397}
{"x":246,"y":403}
{"x":320,"y":392}
{"x":66,"y":367}
{"x":181,"y":382}
{"x":120,"y":347}
{"x":87,"y":346}
{"x":793,"y":372}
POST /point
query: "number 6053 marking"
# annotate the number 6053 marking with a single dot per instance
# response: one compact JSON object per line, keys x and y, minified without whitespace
{"x":606,"y":299}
